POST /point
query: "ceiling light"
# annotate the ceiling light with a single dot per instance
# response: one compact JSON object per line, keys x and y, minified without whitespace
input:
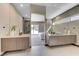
{"x":21,"y":5}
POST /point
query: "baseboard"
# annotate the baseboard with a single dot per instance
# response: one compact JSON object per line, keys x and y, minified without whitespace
{"x":29,"y":46}
{"x":59,"y":45}
{"x":3,"y":53}
{"x":42,"y":39}
{"x":46,"y":45}
{"x":75,"y":45}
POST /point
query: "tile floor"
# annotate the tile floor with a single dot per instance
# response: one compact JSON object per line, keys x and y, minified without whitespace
{"x":68,"y":50}
{"x":36,"y":40}
{"x":19,"y":53}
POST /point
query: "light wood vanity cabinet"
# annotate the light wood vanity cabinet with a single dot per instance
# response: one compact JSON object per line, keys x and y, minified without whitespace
{"x":22,"y":43}
{"x":9,"y":44}
{"x":54,"y":40}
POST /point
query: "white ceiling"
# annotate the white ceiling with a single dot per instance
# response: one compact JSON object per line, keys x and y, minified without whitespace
{"x":59,"y":8}
{"x":24,"y":11}
{"x":52,"y":9}
{"x":49,"y":4}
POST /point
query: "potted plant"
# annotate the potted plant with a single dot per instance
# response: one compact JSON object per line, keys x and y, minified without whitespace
{"x":13,"y":29}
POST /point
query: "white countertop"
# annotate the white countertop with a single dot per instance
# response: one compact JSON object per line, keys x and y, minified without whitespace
{"x":60,"y":34}
{"x":24,"y":35}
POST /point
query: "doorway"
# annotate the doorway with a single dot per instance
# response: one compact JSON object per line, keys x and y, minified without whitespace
{"x":34,"y":29}
{"x":35,"y":35}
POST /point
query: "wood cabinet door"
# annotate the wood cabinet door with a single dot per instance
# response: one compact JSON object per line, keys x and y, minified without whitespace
{"x":8,"y":44}
{"x":22,"y":43}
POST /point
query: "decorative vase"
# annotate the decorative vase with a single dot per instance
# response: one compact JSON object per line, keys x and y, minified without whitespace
{"x":12,"y":33}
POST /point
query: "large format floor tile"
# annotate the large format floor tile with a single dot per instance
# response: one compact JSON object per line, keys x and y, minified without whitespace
{"x":19,"y":53}
{"x":68,"y":50}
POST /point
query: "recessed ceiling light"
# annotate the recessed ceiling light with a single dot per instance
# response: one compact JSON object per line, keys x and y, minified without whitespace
{"x":21,"y":5}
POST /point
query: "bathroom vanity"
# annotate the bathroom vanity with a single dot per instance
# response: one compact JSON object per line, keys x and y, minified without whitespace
{"x":12,"y":43}
{"x":53,"y":40}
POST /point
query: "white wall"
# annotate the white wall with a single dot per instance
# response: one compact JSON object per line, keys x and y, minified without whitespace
{"x":8,"y":18}
{"x":4,"y":19}
{"x":15,"y":19}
